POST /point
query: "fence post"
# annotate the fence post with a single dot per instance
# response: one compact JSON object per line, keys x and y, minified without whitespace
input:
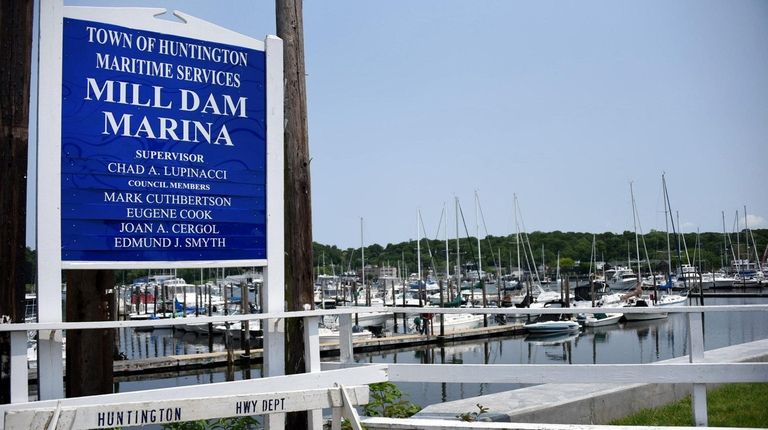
{"x":346,"y":352}
{"x":19,"y":372}
{"x":696,"y":348}
{"x":312,"y":364}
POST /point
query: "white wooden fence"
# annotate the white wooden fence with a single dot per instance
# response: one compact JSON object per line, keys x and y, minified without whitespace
{"x":318,"y":389}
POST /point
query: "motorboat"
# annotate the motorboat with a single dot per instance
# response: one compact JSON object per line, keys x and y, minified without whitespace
{"x":551,"y":339}
{"x":328,"y":335}
{"x":551,"y":326}
{"x":717,"y":280}
{"x":620,"y":278}
{"x":457,"y":322}
{"x":671,"y":300}
{"x":602,"y":319}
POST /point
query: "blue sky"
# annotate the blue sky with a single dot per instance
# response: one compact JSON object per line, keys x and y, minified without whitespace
{"x":563,"y":103}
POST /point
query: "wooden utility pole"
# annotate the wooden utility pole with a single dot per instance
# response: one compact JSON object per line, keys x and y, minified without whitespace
{"x":298,"y":208}
{"x":15,"y":60}
{"x":90,"y":353}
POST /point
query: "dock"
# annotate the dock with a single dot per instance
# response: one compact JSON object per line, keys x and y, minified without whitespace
{"x":173,"y":365}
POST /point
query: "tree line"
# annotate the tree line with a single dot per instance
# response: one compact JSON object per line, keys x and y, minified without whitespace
{"x":709,"y":251}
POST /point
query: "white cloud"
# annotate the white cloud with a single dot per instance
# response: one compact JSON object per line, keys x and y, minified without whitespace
{"x":756,"y":221}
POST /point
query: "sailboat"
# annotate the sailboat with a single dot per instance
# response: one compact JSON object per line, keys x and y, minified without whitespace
{"x":669,"y":299}
{"x":635,"y":298}
{"x":598,"y":319}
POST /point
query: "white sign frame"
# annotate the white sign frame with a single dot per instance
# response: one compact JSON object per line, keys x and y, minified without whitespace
{"x":49,"y":113}
{"x":48,"y":217}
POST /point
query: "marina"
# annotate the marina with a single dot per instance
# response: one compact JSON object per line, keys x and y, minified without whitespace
{"x":167,"y":358}
{"x":173,"y":263}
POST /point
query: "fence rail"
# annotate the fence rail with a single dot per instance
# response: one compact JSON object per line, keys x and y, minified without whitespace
{"x":696,"y":371}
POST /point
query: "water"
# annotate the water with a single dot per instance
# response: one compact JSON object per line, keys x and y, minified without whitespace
{"x":636,"y":342}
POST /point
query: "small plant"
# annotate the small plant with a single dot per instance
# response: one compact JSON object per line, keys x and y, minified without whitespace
{"x":233,"y":423}
{"x":473,"y":416}
{"x":386,"y":400}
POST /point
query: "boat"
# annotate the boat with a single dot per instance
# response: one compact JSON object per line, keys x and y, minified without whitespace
{"x":453,"y":323}
{"x":718,"y":279}
{"x":328,"y":335}
{"x":642,"y":303}
{"x":551,"y":339}
{"x":235,"y":328}
{"x":620,"y":278}
{"x":363,"y":319}
{"x":601,"y":319}
{"x":544,"y":298}
{"x":672,"y":300}
{"x":688,"y":276}
{"x":552,"y":323}
{"x":546,"y":325}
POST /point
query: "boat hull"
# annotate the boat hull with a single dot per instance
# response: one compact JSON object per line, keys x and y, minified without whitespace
{"x":645,"y":317}
{"x":609,"y":319}
{"x":551,"y":327}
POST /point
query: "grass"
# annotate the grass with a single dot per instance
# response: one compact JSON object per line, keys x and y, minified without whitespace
{"x":731,"y":405}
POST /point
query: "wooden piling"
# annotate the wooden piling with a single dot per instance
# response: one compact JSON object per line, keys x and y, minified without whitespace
{"x":89,"y":352}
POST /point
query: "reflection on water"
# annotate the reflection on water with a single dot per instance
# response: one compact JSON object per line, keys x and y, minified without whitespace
{"x":631,"y":342}
{"x":164,"y":342}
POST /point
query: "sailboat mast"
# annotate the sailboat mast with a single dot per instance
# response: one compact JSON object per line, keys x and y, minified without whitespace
{"x":458,"y":253}
{"x":418,"y":246}
{"x":682,"y":238}
{"x":629,"y":258}
{"x":746,"y":234}
{"x":477,"y":233}
{"x":666,"y":226}
{"x":738,"y":245}
{"x":637,"y":239}
{"x":362,"y":257}
{"x":517,"y":241}
{"x":725,"y":242}
{"x":447,"y":257}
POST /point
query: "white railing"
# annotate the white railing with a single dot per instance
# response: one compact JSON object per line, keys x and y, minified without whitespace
{"x":347,"y":373}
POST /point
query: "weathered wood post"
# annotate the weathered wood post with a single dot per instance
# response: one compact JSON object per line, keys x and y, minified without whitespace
{"x":298,"y":202}
{"x":89,"y":352}
{"x":15,"y":60}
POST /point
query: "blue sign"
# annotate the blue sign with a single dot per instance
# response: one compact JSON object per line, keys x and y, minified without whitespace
{"x":163,"y":154}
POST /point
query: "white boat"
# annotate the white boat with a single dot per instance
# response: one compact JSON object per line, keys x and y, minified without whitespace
{"x":453,"y":323}
{"x":620,"y":278}
{"x":687,"y":277}
{"x":541,"y":327}
{"x":551,"y":339}
{"x":641,"y":302}
{"x":600,"y":320}
{"x":544,"y":298}
{"x":235,"y":328}
{"x":672,"y":300}
{"x":328,"y":335}
{"x":363,"y":319}
{"x":717,"y":280}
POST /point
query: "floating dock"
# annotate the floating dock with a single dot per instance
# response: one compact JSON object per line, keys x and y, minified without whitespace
{"x":188,"y":362}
